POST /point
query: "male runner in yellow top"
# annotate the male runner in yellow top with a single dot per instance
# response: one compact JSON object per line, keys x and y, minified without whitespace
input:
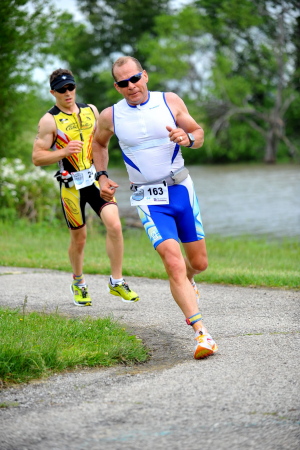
{"x":65,"y":136}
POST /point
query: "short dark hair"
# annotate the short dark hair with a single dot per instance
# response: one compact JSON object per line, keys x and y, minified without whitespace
{"x":58,"y":72}
{"x":123,"y":60}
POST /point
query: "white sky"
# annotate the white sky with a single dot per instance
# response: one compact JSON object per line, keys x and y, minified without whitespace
{"x":68,"y":5}
{"x":71,"y":6}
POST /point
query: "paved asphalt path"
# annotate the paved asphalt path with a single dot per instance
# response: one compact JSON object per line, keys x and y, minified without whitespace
{"x":244,"y":397}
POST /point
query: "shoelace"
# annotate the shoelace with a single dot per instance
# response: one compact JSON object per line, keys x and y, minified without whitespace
{"x":84,"y":292}
{"x":125,"y":285}
{"x":201,"y":337}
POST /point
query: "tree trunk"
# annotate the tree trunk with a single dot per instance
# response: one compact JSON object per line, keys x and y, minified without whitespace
{"x":271,"y":146}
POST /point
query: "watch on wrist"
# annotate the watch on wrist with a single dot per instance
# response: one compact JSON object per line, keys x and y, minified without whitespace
{"x":98,"y":174}
{"x":191,"y":139}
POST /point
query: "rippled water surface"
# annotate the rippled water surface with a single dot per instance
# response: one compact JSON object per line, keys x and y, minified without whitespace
{"x":237,"y":200}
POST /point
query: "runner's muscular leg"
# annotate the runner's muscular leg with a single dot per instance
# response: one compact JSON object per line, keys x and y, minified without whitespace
{"x":196,"y":257}
{"x":182,"y":291}
{"x":76,"y":249}
{"x":181,"y":288}
{"x":114,"y":238}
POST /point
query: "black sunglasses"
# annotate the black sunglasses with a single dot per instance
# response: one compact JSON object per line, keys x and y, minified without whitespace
{"x":65,"y":89}
{"x":133,"y":79}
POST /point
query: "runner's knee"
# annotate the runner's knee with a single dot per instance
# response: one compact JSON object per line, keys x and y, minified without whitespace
{"x":175,"y":267}
{"x":114,"y":228}
{"x":200,"y":265}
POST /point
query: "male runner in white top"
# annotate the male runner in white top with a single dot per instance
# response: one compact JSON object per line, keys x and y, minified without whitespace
{"x":150,"y":127}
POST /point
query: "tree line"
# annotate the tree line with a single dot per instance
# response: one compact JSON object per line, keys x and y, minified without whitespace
{"x":236,"y":64}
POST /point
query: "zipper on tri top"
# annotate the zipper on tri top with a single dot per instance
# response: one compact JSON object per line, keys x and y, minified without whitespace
{"x":79,"y":123}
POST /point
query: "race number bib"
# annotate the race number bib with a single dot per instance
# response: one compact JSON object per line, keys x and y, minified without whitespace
{"x":150,"y":194}
{"x":84,"y":178}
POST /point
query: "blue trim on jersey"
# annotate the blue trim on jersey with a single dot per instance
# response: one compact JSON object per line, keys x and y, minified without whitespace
{"x":129,"y":162}
{"x":176,"y":150}
{"x":164,"y":97}
{"x":134,"y":106}
{"x":177,"y":147}
{"x":113,"y":119}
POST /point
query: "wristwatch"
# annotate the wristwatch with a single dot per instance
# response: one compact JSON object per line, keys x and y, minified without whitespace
{"x":98,"y":174}
{"x":191,"y":139}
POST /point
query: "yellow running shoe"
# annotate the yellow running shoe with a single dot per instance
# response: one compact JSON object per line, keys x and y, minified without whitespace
{"x":122,"y":290}
{"x":205,"y":346}
{"x":81,"y":296}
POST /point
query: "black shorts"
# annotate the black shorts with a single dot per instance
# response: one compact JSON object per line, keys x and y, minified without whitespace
{"x":73,"y":203}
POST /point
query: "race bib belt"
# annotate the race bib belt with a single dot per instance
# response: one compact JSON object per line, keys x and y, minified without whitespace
{"x":84,"y":178}
{"x":150,"y":194}
{"x":156,"y":193}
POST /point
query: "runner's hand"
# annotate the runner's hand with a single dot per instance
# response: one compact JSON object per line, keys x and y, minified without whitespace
{"x":73,"y":147}
{"x":107,"y":188}
{"x":178,"y":135}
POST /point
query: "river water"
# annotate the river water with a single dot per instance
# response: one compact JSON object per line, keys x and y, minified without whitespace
{"x":238,"y":199}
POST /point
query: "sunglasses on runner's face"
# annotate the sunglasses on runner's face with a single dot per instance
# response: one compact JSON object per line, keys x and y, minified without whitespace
{"x":66,"y":88}
{"x":133,"y":79}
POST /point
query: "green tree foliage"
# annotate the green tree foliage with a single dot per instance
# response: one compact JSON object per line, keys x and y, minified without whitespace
{"x":235,"y":63}
{"x":259,"y":50}
{"x":118,"y":26}
{"x":253,"y":75}
{"x":111,"y":28}
{"x":293,"y":112}
{"x":23,"y":35}
{"x":89,"y":48}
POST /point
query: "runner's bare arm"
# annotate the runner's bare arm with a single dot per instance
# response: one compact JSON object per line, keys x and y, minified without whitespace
{"x":103,"y":133}
{"x":185,"y":123}
{"x":41,"y":153}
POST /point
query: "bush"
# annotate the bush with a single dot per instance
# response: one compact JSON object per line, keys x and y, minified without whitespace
{"x":29,"y":193}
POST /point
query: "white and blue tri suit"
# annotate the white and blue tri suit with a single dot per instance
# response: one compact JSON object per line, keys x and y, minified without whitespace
{"x":149,"y":155}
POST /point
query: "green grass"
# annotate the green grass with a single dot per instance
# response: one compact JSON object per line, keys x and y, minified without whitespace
{"x":36,"y":345}
{"x":244,"y":261}
{"x":255,"y":262}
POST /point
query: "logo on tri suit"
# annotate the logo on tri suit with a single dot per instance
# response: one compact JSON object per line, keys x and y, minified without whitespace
{"x":84,"y":126}
{"x":154,"y":235}
{"x":71,"y":205}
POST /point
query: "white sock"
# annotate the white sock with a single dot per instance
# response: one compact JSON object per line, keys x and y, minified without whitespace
{"x":116,"y":281}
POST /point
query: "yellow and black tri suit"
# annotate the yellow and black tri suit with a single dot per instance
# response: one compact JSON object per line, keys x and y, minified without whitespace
{"x":80,"y":127}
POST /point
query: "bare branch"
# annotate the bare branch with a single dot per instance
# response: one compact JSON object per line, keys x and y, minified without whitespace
{"x":256,"y":127}
{"x":293,"y":150}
